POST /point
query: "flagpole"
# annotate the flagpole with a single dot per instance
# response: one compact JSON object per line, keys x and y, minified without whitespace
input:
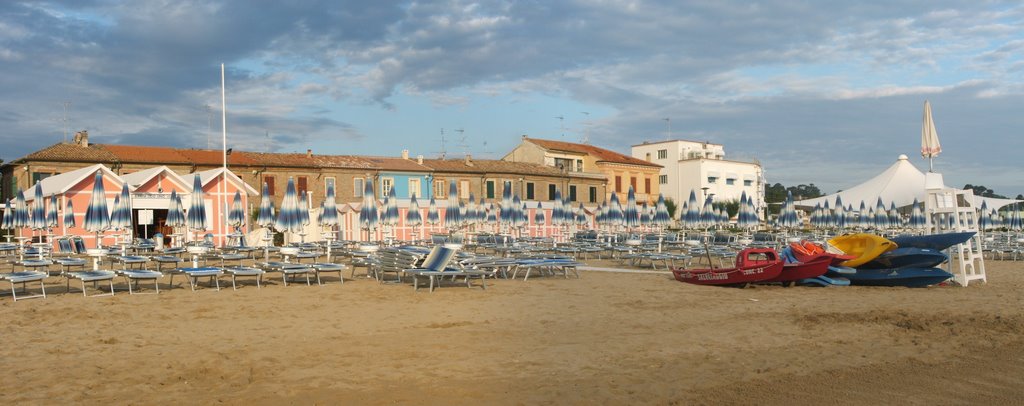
{"x":224,"y":155}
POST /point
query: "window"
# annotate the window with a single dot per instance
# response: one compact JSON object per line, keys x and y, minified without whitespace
{"x":572,"y":193}
{"x":647,"y":185}
{"x":329,"y":184}
{"x":662,"y":154}
{"x":579,"y":165}
{"x":490,"y":189}
{"x":301,"y":185}
{"x":551,"y":191}
{"x":712,"y":179}
{"x":385,"y":186}
{"x":730,"y":181}
{"x":440,"y":188}
{"x":529,"y":191}
{"x":269,"y":180}
{"x":38,"y":176}
{"x":618,"y":184}
{"x":464,"y":189}
{"x":663,"y":179}
{"x":357,"y":187}
{"x":632,"y":182}
{"x":564,"y":164}
{"x":748,"y":183}
{"x":593,"y":194}
{"x":414,"y":187}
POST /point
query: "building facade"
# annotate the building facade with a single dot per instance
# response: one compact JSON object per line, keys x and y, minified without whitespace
{"x":701,"y":167}
{"x":619,"y":171}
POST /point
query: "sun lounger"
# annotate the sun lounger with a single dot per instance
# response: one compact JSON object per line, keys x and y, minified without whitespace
{"x":435,"y":266}
{"x":237,"y":271}
{"x":549,"y":265}
{"x":324,"y":267}
{"x":91,"y":276}
{"x":199,"y":272}
{"x":24,"y":278}
{"x":133,"y":276}
{"x":288,"y":269}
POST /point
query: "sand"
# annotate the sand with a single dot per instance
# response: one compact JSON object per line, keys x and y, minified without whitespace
{"x":610,"y":338}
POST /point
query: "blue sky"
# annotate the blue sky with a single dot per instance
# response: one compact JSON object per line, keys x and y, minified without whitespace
{"x":820,"y":92}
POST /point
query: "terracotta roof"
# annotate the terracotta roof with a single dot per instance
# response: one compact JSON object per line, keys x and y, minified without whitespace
{"x":71,"y":153}
{"x":600,"y":153}
{"x":495,"y":166}
{"x":396,"y":164}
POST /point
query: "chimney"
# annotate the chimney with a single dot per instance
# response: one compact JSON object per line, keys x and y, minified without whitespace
{"x":405,"y":154}
{"x":419,"y":159}
{"x":309,"y":153}
{"x":82,"y":138}
{"x":469,"y":160}
{"x":524,"y":136}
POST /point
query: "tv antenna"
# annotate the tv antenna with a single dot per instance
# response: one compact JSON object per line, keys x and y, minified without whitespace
{"x":561,"y":124}
{"x":462,"y":140}
{"x":586,"y":128}
{"x":443,"y":151}
{"x":486,"y":152}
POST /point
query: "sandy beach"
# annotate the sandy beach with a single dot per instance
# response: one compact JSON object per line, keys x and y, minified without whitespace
{"x":613,"y":338}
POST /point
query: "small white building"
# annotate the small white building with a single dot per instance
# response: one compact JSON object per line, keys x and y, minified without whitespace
{"x":702,"y":168}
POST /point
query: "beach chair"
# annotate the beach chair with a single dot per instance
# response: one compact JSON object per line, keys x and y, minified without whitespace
{"x":93,"y":277}
{"x":288,"y":269}
{"x":24,"y":278}
{"x":236,"y":271}
{"x":194,"y":273}
{"x":435,"y":266}
{"x":64,"y":257}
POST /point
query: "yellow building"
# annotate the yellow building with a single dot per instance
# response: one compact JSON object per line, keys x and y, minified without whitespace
{"x":621,"y":171}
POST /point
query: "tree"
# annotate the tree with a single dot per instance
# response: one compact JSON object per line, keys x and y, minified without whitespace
{"x":982,"y":191}
{"x":671,"y":206}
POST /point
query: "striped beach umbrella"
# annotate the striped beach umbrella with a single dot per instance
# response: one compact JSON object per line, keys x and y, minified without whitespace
{"x":368,"y":213}
{"x":195,"y":218}
{"x":538,"y":215}
{"x":895,"y":221}
{"x":492,"y":214}
{"x":917,"y":220}
{"x":472,"y":211}
{"x":691,"y":219}
{"x":984,"y":217}
{"x":707,"y":213}
{"x":787,"y":215}
{"x":265,"y":217}
{"x":51,"y":212}
{"x":631,"y":215}
{"x":390,"y":215}
{"x":557,"y":211}
{"x":175,"y":211}
{"x":413,"y":217}
{"x":645,"y":215}
{"x":517,"y":212}
{"x":38,"y":211}
{"x":581,"y":215}
{"x":840,"y":215}
{"x":69,"y":215}
{"x":661,"y":216}
{"x":452,"y":215}
{"x":304,"y":209}
{"x":97,"y":219}
{"x":881,"y":218}
{"x":329,"y":214}
{"x":289,"y":218}
{"x":9,"y":216}
{"x":865,"y":219}
{"x":507,"y":212}
{"x":121,"y":215}
{"x":433,"y":217}
{"x":615,"y":216}
{"x":236,"y":217}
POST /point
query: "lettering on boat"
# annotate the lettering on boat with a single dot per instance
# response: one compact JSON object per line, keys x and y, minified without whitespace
{"x":709,"y":276}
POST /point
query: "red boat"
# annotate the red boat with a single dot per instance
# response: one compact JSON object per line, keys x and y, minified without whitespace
{"x":752,"y":265}
{"x":803,"y":270}
{"x":806,"y":252}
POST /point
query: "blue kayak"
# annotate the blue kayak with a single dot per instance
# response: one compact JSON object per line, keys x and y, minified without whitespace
{"x":907,"y":258}
{"x":824,"y":281}
{"x":937,"y":242}
{"x":907,"y":277}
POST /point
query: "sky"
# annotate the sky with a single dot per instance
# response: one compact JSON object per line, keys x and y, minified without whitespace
{"x":829,"y":93}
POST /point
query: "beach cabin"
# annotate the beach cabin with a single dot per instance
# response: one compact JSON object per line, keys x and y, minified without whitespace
{"x":219,"y":187}
{"x":76,"y":186}
{"x":151,"y":198}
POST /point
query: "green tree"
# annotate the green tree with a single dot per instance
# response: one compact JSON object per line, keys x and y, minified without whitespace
{"x":671,"y":206}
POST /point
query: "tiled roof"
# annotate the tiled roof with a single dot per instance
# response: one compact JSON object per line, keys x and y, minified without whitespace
{"x":600,"y":153}
{"x":72,"y":153}
{"x":493,"y":166}
{"x":396,"y":164}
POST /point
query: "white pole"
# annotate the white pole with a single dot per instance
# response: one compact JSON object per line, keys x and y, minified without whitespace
{"x":224,"y":155}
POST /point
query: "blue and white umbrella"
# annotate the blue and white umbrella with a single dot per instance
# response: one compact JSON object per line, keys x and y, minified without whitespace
{"x":707,"y":214}
{"x":38,"y":220}
{"x":614,"y":216}
{"x":984,"y":217}
{"x":452,"y":215}
{"x":368,"y":213}
{"x":492,"y":214}
{"x":195,"y":218}
{"x":175,"y":211}
{"x":51,"y":212}
{"x":581,"y":216}
{"x":787,"y":215}
{"x":472,"y":212}
{"x":390,"y":215}
{"x":895,"y":221}
{"x":631,"y":215}
{"x":329,"y":214}
{"x":645,"y":215}
{"x":97,"y":219}
{"x":538,"y":216}
{"x":840,"y":217}
{"x":236,"y":217}
{"x":881,"y":217}
{"x":865,"y":219}
{"x":661,"y":216}
{"x":507,"y":211}
{"x":413,"y":217}
{"x":917,"y":220}
{"x":9,"y":216}
{"x":557,"y":211}
{"x":289,"y":218}
{"x":121,"y":215}
{"x":827,"y":217}
{"x":304,"y":209}
{"x":265,"y":217}
{"x":69,"y":216}
{"x":463,"y":213}
{"x":691,"y":218}
{"x":518,"y":215}
{"x":433,"y":216}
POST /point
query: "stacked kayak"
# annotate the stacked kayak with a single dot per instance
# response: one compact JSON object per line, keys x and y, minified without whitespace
{"x":862,"y":246}
{"x":881,"y":262}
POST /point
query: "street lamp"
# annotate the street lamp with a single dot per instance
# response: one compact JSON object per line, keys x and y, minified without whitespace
{"x":705,"y":189}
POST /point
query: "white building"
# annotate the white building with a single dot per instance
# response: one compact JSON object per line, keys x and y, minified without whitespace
{"x":702,"y":167}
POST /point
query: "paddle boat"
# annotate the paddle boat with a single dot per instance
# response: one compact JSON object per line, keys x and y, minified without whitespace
{"x":906,"y":277}
{"x":752,"y":265}
{"x":794,"y":270}
{"x":864,"y":247}
{"x":907,"y":258}
{"x":937,"y":242}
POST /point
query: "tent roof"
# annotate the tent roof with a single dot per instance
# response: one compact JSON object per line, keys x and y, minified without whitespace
{"x":208,"y":175}
{"x":59,"y":184}
{"x":901,"y":183}
{"x":137,"y":179}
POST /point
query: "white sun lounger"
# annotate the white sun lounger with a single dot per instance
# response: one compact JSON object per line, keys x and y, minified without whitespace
{"x":24,"y":278}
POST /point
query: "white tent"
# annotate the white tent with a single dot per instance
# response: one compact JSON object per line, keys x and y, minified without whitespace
{"x":901,"y":183}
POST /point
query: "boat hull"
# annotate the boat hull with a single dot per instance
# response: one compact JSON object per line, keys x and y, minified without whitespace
{"x":907,"y":258}
{"x":906,"y":277}
{"x":937,"y":242}
{"x":803,"y":270}
{"x":865,"y":247}
{"x":752,"y":265}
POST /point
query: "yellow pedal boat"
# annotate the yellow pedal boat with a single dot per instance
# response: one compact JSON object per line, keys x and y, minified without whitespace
{"x":865,"y":247}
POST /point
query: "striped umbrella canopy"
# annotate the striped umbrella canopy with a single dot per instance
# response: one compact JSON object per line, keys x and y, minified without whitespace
{"x":236,"y":217}
{"x":741,"y":212}
{"x":195,"y":218}
{"x":997,"y":220}
{"x":723,"y":216}
{"x":984,"y":217}
{"x":320,"y":215}
{"x":881,"y":217}
{"x":557,"y":211}
{"x":661,"y":216}
{"x":645,"y":215}
{"x":433,"y":217}
{"x":51,"y":212}
{"x":329,"y":214}
{"x":265,"y":217}
{"x":472,"y":210}
{"x":121,"y":215}
{"x":452,"y":215}
{"x":917,"y":220}
{"x":631,"y":215}
{"x":895,"y":221}
{"x":9,"y":216}
{"x":175,"y":211}
{"x":413,"y":217}
{"x":304,"y":209}
{"x":827,"y":217}
{"x":38,"y":220}
{"x":538,"y":215}
{"x":614,"y":217}
{"x":752,"y":219}
{"x":599,"y":214}
{"x":865,"y":219}
{"x":492,"y":214}
{"x":518,"y":214}
{"x":21,"y":218}
{"x":787,"y":215}
{"x":691,"y":218}
{"x":463,"y":213}
{"x":69,"y":216}
{"x":289,"y":218}
{"x":581,"y":215}
{"x":390,"y":215}
{"x":97,"y":219}
{"x":368,"y":213}
{"x":840,"y":216}
{"x":507,"y":212}
{"x":707,"y":213}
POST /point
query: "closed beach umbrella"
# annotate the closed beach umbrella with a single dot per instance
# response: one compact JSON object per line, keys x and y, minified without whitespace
{"x":195,"y":219}
{"x":9,"y":216}
{"x":707,"y":213}
{"x":368,"y":213}
{"x":97,"y":219}
{"x":236,"y":217}
{"x":557,"y":211}
{"x":472,"y":210}
{"x":304,"y":209}
{"x":881,"y":217}
{"x":452,"y":216}
{"x":661,"y":216}
{"x":265,"y":217}
{"x":38,"y":220}
{"x":391,"y":208}
{"x":433,"y":217}
{"x":581,"y":215}
{"x":507,"y":212}
{"x":631,"y":215}
{"x":517,"y":212}
{"x":329,"y":214}
{"x":51,"y":212}
{"x":917,"y":220}
{"x":865,"y":219}
{"x":492,"y":214}
{"x":841,"y":220}
{"x":895,"y":221}
{"x":691,"y":219}
{"x":69,"y":216}
{"x":289,"y":218}
{"x":121,"y":217}
{"x":175,"y":211}
{"x":413,"y":217}
{"x":930,"y":147}
{"x":645,"y":215}
{"x":21,"y":218}
{"x":538,"y":215}
{"x":787,"y":215}
{"x":984,"y":218}
{"x":615,"y":216}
